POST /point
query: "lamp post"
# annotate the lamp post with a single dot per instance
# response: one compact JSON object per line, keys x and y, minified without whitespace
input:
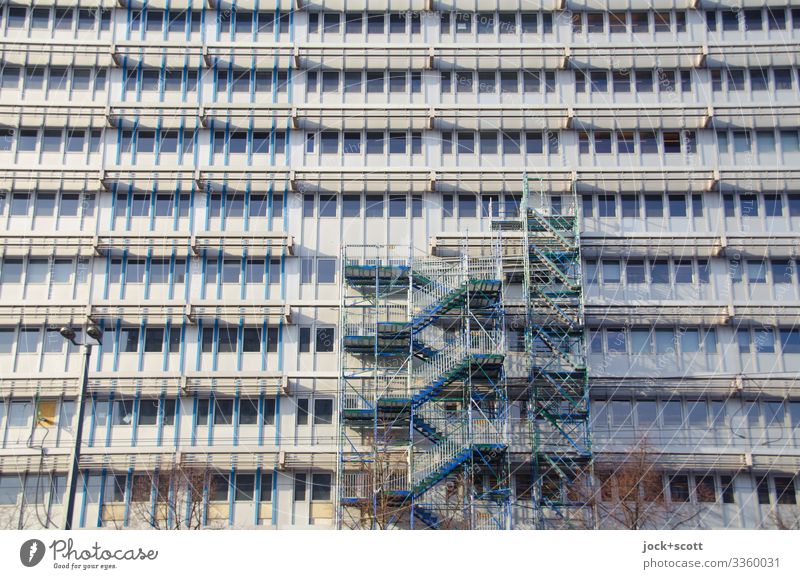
{"x":72,"y":477}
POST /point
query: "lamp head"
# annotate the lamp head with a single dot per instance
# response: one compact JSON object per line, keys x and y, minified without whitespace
{"x":68,"y":333}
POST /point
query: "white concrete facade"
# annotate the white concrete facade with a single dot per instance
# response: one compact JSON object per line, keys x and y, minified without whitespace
{"x":186,"y":179}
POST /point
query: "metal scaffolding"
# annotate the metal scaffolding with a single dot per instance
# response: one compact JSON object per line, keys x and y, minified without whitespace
{"x":557,"y":376}
{"x":424,"y":435}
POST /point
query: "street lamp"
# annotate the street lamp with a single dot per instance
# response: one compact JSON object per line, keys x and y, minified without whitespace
{"x":69,"y":333}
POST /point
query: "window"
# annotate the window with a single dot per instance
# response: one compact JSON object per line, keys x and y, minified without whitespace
{"x":661,"y":21}
{"x":397,"y":81}
{"x":321,"y":487}
{"x":756,"y":271}
{"x":218,"y":491}
{"x":611,"y":271}
{"x":625,"y":143}
{"x":764,"y":339}
{"x":762,"y":490}
{"x":467,"y":205}
{"x":599,"y":81}
{"x":726,"y":482}
{"x":327,"y":205}
{"x":226,"y":339}
{"x":302,"y":411}
{"x":705,"y":489}
{"x":324,"y":340}
{"x":644,"y":81}
{"x":665,"y":341}
{"x":790,"y":341}
{"x":615,"y":341}
{"x":684,"y":272}
{"x":620,"y":412}
{"x":783,"y":78}
{"x":330,"y":81}
{"x":326,"y":271}
{"x":466,"y":143}
{"x":19,"y":414}
{"x":463,"y":81}
{"x":634,"y":272}
{"x":323,"y":411}
{"x":248,"y":411}
{"x":11,"y":271}
{"x":776,"y":18}
{"x":785,"y":490}
{"x":653,"y":205}
{"x":741,"y":142}
{"x":641,"y":342}
{"x":397,"y":205}
{"x":508,"y":82}
{"x":299,"y":487}
{"x":710,"y":341}
{"x":374,"y":82}
{"x":606,"y":205}
{"x":153,"y":339}
{"x":646,"y":413}
{"x":268,"y":416}
{"x":617,"y":22}
{"x":223,"y":411}
{"x":129,"y":340}
{"x":251,"y":340}
{"x":245,"y":487}
{"x":148,"y":412}
{"x":231,"y":271}
{"x":397,"y":143}
{"x":123,"y":412}
{"x":671,"y":414}
{"x":330,"y":22}
{"x":602,"y":142}
{"x":690,"y":341}
{"x":353,"y":23}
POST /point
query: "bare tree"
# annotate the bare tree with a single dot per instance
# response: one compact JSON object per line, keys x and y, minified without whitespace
{"x":631,"y":494}
{"x":172,"y":499}
{"x":785,"y":519}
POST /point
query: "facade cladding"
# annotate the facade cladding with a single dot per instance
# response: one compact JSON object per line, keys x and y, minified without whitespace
{"x":211,"y":184}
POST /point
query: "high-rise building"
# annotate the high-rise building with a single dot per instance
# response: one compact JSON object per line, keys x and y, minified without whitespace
{"x":447,"y":264}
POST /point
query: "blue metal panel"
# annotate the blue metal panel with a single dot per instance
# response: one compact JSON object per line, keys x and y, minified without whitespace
{"x":264,"y":329}
{"x":109,"y":418}
{"x":117,"y":329}
{"x":140,"y":353}
{"x":243,"y":276}
{"x":212,"y":411}
{"x":278,"y":417}
{"x":261,"y":418}
{"x":239,"y":344}
{"x":106,"y":281}
{"x":92,"y":420}
{"x":147,"y":263}
{"x":82,"y":519}
{"x":165,"y":346}
{"x":215,"y":348}
{"x":177,"y":429}
{"x":236,"y":401}
{"x":135,"y":425}
{"x":194,"y":420}
{"x":275,"y":496}
{"x":160,"y":419}
{"x":182,"y":353}
{"x":257,"y":497}
{"x":100,"y":502}
{"x":231,"y":495}
{"x":128,"y":496}
{"x":199,"y":354}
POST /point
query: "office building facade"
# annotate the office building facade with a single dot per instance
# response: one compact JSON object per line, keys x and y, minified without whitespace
{"x":193,"y":179}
